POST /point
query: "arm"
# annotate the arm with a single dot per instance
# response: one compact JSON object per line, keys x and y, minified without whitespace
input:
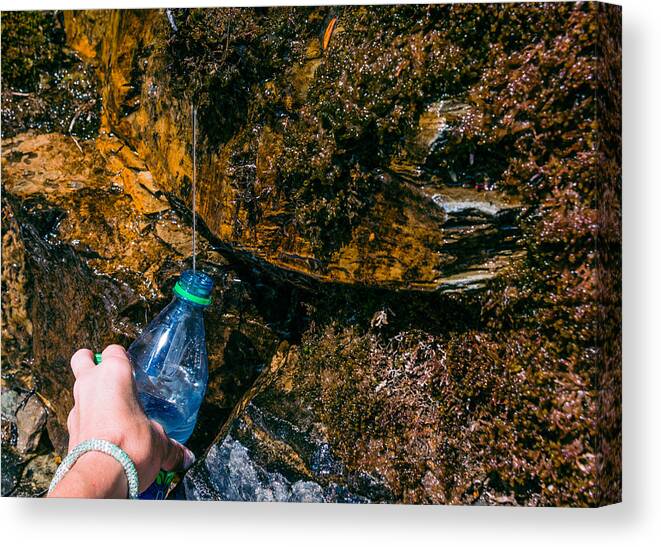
{"x":95,"y":475}
{"x":106,"y":407}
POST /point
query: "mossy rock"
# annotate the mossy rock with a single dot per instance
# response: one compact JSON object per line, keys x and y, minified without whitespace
{"x":303,"y":112}
{"x":45,"y":86}
{"x":95,"y":256}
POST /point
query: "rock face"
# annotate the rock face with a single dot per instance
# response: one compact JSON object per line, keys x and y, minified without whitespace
{"x":413,"y":217}
{"x":399,"y":237}
{"x":272,"y":449}
{"x":486,"y":412}
{"x":94,"y":230}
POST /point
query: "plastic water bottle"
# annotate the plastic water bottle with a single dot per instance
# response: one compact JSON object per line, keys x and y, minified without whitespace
{"x":170,"y":364}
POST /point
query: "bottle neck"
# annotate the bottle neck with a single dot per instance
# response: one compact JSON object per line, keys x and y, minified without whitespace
{"x":189,"y":291}
{"x":185,"y":302}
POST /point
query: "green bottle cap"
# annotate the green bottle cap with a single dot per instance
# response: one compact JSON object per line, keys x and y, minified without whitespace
{"x":195,"y":287}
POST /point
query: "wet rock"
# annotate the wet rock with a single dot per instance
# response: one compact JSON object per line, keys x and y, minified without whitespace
{"x":116,"y":254}
{"x":30,"y":421}
{"x":434,"y":126}
{"x":414,"y":154}
{"x":232,"y":474}
{"x":11,"y":470}
{"x":274,"y":448}
{"x":46,"y":86}
{"x":37,"y":475}
{"x":11,"y":400}
{"x":397,"y":237}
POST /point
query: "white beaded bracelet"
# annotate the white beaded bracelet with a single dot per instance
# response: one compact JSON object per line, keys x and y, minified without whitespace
{"x":99,"y":445}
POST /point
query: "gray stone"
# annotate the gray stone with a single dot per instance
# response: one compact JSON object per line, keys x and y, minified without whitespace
{"x":30,"y":422}
{"x":11,"y":399}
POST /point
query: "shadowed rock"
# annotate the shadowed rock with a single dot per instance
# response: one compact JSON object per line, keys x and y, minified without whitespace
{"x":274,"y":448}
{"x":30,"y":421}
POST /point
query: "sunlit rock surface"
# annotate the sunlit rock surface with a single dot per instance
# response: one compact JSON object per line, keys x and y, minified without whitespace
{"x":401,"y":239}
{"x":93,"y":249}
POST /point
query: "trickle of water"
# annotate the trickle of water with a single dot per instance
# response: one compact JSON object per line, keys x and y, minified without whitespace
{"x":194,"y":110}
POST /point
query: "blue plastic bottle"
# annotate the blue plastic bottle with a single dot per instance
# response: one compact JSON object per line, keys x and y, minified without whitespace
{"x":170,"y":364}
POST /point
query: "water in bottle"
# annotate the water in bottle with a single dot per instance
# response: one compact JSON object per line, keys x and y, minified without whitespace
{"x":170,"y":364}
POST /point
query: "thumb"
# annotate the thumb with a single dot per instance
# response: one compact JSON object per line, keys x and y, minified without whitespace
{"x":176,"y":456}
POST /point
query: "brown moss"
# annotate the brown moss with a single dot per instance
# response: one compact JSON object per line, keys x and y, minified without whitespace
{"x":508,"y":408}
{"x":517,"y":409}
{"x":31,"y":43}
{"x":609,"y":251}
{"x":456,"y":419}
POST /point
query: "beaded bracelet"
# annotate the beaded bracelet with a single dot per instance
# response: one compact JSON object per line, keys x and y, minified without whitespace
{"x":99,"y":445}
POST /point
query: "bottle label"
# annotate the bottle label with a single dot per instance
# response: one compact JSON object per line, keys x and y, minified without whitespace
{"x":158,"y":490}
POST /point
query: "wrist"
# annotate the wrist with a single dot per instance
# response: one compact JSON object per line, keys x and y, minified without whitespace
{"x":94,"y":475}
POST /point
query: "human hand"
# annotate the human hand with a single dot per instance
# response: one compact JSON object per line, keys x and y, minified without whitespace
{"x":106,"y":407}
